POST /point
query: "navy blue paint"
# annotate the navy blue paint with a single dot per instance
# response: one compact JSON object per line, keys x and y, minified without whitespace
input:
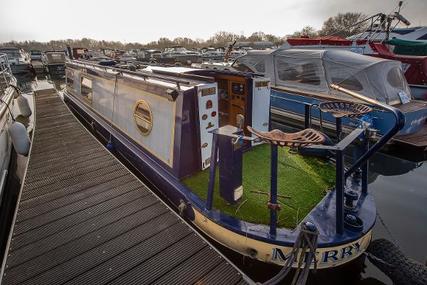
{"x":212,"y":171}
{"x":365,"y":167}
{"x":307,"y":116}
{"x":230,"y":166}
{"x":273,"y":190}
{"x":338,"y":126}
{"x":397,"y":125}
{"x":339,"y":189}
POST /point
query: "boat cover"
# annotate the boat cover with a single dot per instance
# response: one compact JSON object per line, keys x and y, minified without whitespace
{"x":408,"y":47}
{"x":314,"y":70}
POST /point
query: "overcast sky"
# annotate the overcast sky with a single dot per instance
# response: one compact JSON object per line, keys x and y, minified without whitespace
{"x":144,"y":21}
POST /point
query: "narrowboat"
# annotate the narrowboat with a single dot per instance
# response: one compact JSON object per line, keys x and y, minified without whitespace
{"x":36,"y":61}
{"x":301,"y":80}
{"x":203,"y":139}
{"x":13,"y":134}
{"x":19,"y":60}
{"x":6,"y":104}
{"x":54,"y":62}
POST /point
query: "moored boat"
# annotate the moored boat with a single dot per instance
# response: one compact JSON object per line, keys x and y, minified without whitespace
{"x":54,"y":62}
{"x":18,"y":59}
{"x":301,"y":79}
{"x":178,"y":126}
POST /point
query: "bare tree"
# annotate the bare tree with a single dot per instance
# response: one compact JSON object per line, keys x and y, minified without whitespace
{"x":307,"y":31}
{"x":343,"y":25}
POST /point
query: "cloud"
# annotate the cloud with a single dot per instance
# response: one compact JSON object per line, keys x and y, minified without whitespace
{"x":144,"y":21}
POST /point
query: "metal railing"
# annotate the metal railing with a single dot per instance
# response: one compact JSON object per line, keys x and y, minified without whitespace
{"x":5,"y":73}
{"x":362,"y":132}
{"x":362,"y":161}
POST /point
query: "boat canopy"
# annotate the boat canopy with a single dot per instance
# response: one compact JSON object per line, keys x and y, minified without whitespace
{"x":314,"y":71}
{"x":408,"y":47}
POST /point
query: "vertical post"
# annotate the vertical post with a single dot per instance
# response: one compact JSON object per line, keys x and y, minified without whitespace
{"x":338,"y":125}
{"x":273,"y":190}
{"x":365,"y":167}
{"x":212,"y":171}
{"x":339,"y":189}
{"x":306,"y":116}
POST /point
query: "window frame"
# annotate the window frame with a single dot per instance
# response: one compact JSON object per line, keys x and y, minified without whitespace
{"x":150,"y":122}
{"x":86,"y":97}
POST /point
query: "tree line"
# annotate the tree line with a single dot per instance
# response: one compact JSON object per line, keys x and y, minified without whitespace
{"x":340,"y":25}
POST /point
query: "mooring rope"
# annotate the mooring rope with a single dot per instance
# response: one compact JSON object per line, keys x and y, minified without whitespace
{"x":303,"y":252}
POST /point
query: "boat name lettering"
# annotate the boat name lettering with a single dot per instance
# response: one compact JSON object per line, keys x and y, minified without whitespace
{"x":332,"y":255}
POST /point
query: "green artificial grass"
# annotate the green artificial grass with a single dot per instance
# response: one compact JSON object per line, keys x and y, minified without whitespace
{"x":304,"y":179}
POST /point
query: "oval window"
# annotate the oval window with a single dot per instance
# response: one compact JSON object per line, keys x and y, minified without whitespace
{"x":143,"y":117}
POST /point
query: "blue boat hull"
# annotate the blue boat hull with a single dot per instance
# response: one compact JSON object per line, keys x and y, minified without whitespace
{"x":381,"y":120}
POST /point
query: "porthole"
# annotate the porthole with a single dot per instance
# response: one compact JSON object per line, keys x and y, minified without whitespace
{"x":143,"y":117}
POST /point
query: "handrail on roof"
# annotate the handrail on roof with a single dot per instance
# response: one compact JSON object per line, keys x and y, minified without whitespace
{"x":146,"y":74}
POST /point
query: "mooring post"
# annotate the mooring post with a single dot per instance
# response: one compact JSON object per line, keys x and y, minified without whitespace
{"x":212,"y":171}
{"x":365,"y":167}
{"x":273,"y":190}
{"x":339,"y":189}
{"x":338,"y":125}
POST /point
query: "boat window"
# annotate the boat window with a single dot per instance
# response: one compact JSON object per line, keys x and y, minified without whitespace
{"x":297,"y":72}
{"x":69,"y":78}
{"x":350,"y":83}
{"x":250,"y":64}
{"x":143,"y":117}
{"x":86,"y":88}
{"x":424,"y":37}
{"x":240,"y":66}
{"x":395,"y":77}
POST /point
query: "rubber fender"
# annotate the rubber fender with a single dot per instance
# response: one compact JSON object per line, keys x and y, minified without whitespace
{"x":20,"y":139}
{"x":24,"y":106}
{"x":400,"y":269}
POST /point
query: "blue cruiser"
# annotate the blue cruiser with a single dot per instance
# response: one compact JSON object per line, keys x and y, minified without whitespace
{"x":203,"y":139}
{"x":301,"y":80}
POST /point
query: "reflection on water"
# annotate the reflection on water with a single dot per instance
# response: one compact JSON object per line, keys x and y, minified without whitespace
{"x":400,"y":190}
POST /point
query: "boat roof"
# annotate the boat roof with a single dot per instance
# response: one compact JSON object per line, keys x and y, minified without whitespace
{"x":164,"y":76}
{"x":175,"y":69}
{"x":315,"y":69}
{"x":9,"y":48}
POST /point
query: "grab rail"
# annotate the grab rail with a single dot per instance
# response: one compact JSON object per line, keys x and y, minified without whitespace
{"x":341,"y":174}
{"x":399,"y":124}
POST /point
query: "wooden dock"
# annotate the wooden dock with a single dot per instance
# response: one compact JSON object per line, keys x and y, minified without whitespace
{"x":83,"y":218}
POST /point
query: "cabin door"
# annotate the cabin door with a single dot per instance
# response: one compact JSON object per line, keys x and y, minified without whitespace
{"x":261,"y":104}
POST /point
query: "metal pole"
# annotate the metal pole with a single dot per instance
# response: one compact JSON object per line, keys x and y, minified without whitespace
{"x":212,"y":171}
{"x":273,"y":190}
{"x":338,"y":124}
{"x":339,"y":189}
{"x":306,"y":116}
{"x":365,"y":167}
